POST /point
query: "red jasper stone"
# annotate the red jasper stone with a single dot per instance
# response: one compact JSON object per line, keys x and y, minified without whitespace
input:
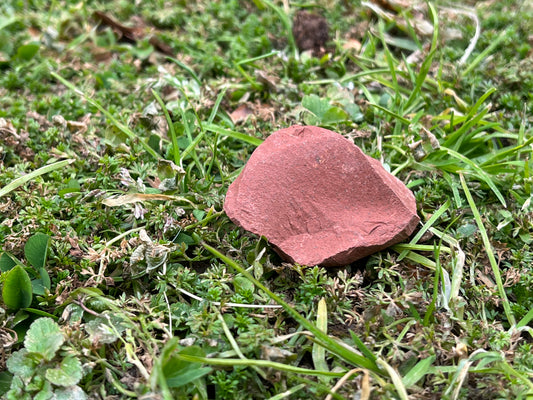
{"x":319,"y":200}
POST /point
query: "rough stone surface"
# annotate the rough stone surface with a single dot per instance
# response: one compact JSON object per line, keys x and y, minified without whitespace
{"x":319,"y":199}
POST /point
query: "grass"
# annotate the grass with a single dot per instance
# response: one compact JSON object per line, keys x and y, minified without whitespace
{"x":121,"y":154}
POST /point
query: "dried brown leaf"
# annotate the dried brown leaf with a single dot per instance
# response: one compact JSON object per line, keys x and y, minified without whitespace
{"x":241,"y":113}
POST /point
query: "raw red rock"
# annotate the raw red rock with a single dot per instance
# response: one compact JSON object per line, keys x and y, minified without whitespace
{"x":319,"y":199}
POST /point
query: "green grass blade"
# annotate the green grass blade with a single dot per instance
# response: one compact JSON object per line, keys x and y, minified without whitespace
{"x":469,"y":119}
{"x":392,"y":114}
{"x":477,"y":172}
{"x":326,"y":340}
{"x":188,"y":69}
{"x":261,"y":57}
{"x":490,"y":253}
{"x":426,"y":65}
{"x":286,"y":21}
{"x":123,"y":128}
{"x":495,"y":43}
{"x":28,"y":177}
{"x":288,"y":392}
{"x":396,"y":379}
{"x":436,"y":215}
{"x":362,"y":348}
{"x":418,"y":371}
{"x":318,"y":352}
{"x":230,"y":362}
{"x":526,"y":319}
{"x":171,"y":130}
{"x":235,"y":135}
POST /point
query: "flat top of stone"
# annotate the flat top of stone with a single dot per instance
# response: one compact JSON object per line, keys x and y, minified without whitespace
{"x":315,"y":195}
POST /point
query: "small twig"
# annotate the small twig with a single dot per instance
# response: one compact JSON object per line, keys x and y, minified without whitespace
{"x":88,"y":310}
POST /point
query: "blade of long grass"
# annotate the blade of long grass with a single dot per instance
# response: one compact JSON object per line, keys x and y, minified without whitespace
{"x":495,"y":43}
{"x":426,"y":65}
{"x":526,"y":319}
{"x":458,"y":261}
{"x":418,"y":371}
{"x":186,"y":68}
{"x":261,"y":57}
{"x":392,"y":114}
{"x":391,"y":62}
{"x":455,"y":191}
{"x":436,"y":215}
{"x":362,"y":348}
{"x":435,"y":295}
{"x":326,"y":340}
{"x":235,"y":346}
{"x":490,"y":253}
{"x":288,"y":392}
{"x":286,"y":22}
{"x":396,"y":379}
{"x":191,"y":149}
{"x":348,"y":78}
{"x":235,"y":135}
{"x":211,"y":118}
{"x":469,"y":119}
{"x":171,"y":130}
{"x":318,"y":352}
{"x":417,"y":247}
{"x":505,"y":153}
{"x":478,"y":172}
{"x":230,"y":362}
{"x":123,"y":128}
{"x":418,"y":258}
{"x":28,"y":177}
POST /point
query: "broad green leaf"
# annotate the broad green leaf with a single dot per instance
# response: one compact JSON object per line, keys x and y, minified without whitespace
{"x":68,"y":373}
{"x":70,"y":393}
{"x":19,"y":364}
{"x":27,"y":51}
{"x":36,"y":250}
{"x":100,"y":331}
{"x":72,"y":186}
{"x":242,"y":284}
{"x":38,"y":287}
{"x":44,"y":337}
{"x":418,"y":371}
{"x":45,"y":393}
{"x":179,"y":372}
{"x":7,"y":262}
{"x":173,"y":365}
{"x":198,"y":214}
{"x":188,"y":375}
{"x":316,"y":105}
{"x":6,"y":21}
{"x":184,"y":238}
{"x":17,"y":292}
{"x":45,"y":278}
{"x":5,"y":382}
{"x":334,"y":115}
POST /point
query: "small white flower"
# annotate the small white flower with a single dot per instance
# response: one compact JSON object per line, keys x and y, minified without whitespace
{"x":125,"y":177}
{"x":139,"y":211}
